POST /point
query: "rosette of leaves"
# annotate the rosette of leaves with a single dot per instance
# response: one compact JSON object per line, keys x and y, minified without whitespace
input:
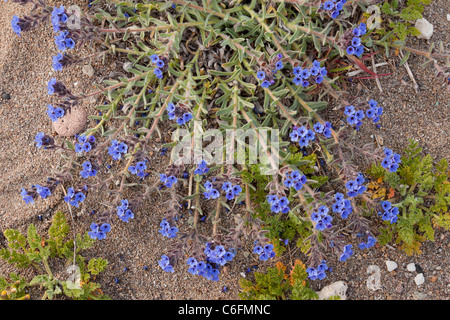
{"x":34,"y":251}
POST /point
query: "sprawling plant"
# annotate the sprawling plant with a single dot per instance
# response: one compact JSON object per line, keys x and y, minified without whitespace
{"x":219,"y":68}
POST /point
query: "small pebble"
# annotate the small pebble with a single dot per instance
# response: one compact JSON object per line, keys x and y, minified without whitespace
{"x":5,"y":96}
{"x":419,"y":279}
{"x":391,"y":265}
{"x":411,"y":267}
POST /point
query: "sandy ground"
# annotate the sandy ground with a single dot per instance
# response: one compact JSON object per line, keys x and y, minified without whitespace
{"x":25,"y":68}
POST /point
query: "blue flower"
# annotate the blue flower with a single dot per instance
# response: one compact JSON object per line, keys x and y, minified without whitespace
{"x":164,"y":263}
{"x":87,"y":171}
{"x":117,"y":149}
{"x":168,"y":231}
{"x":305,"y":73}
{"x":356,"y":42}
{"x":74,"y":199}
{"x":265,"y":84}
{"x":158,"y":73}
{"x":160,"y":64}
{"x":349,"y":110}
{"x":154,"y":58}
{"x":54,"y":113}
{"x":99,"y":232}
{"x":124,"y":212}
{"x":279,"y":65}
{"x":50,"y":88}
{"x":26,"y":197}
{"x":359,"y":51}
{"x":168,"y":181}
{"x":261,"y":75}
{"x":328,"y":5}
{"x":350,"y":50}
{"x":347,"y":252}
{"x":357,"y":32}
{"x":15,"y":24}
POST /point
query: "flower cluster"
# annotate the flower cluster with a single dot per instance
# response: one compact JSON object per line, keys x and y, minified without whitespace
{"x":390,"y":213}
{"x":324,"y":129}
{"x":230,"y":190}
{"x":58,"y":16}
{"x":124,"y":212}
{"x":210,"y":192}
{"x":168,"y":181}
{"x":177,"y":113}
{"x":159,"y":63}
{"x":356,"y":47}
{"x":319,"y":272}
{"x":334,"y":7}
{"x":44,"y":192}
{"x":278,"y":204}
{"x":301,"y":75}
{"x":164,"y":263}
{"x":354,"y":117}
{"x":342,"y":206}
{"x":84,"y":143}
{"x":99,"y":232}
{"x":26,"y":197}
{"x":265,"y":252}
{"x":322,"y":218}
{"x":88,"y":170}
{"x":117,"y":149}
{"x":267,"y":80}
{"x":202,"y":168}
{"x":166,"y":230}
{"x":63,"y":41}
{"x":355,"y":187}
{"x":302,"y":135}
{"x":294,"y":180}
{"x":139,"y":169}
{"x":374,"y":112}
{"x":347,"y":252}
{"x":58,"y":88}
{"x":42,"y":140}
{"x":218,"y":255}
{"x":203,"y":269}
{"x":369,"y":244}
{"x":391,"y":160}
{"x":74,"y":199}
{"x":54,"y":113}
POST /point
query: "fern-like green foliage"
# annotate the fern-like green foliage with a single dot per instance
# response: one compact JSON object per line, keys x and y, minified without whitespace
{"x":276,"y":284}
{"x":284,"y":227}
{"x":36,"y":251}
{"x":400,"y":22}
{"x":423,"y":190}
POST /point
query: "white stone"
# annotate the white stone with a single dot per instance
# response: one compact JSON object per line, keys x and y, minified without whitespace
{"x":373,"y":282}
{"x":338,"y":288}
{"x":448,"y":17}
{"x":88,"y":70}
{"x":425,"y":28}
{"x":127,"y":65}
{"x":391,"y":265}
{"x":419,"y":279}
{"x":411,"y":267}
